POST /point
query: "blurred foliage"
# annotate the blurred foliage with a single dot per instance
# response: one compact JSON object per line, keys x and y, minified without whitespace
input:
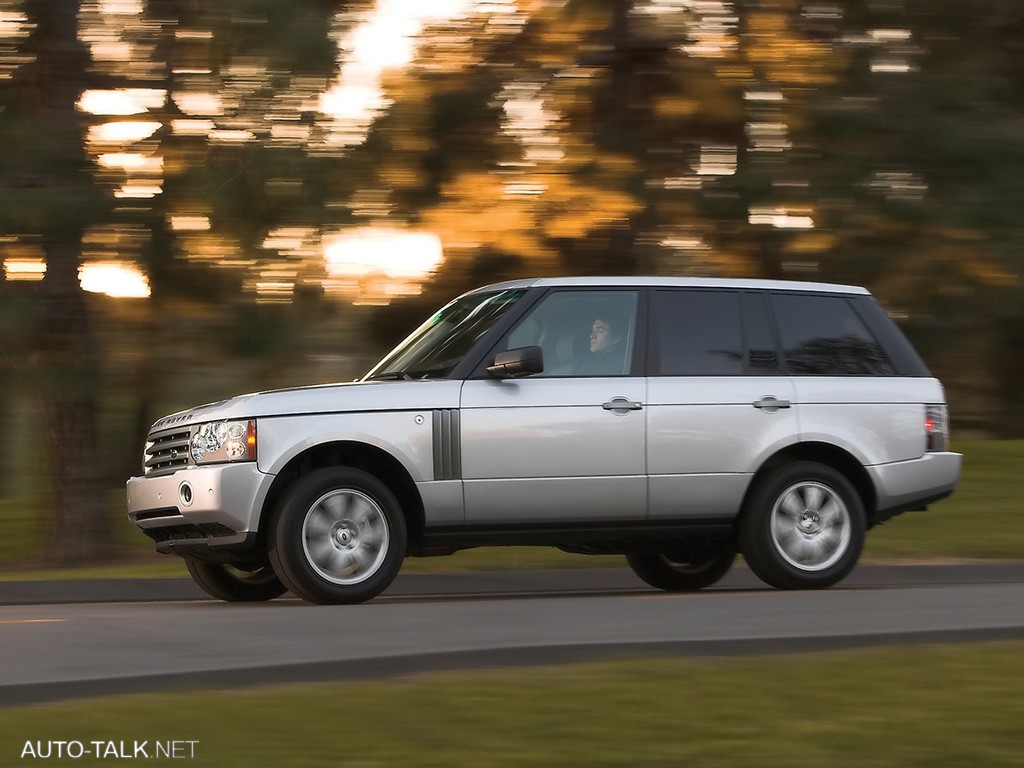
{"x":215,"y":151}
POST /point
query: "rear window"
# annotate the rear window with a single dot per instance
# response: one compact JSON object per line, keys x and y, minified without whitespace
{"x":824,"y":336}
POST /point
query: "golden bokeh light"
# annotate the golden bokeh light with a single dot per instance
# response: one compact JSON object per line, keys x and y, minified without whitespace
{"x":24,"y":269}
{"x":123,"y":101}
{"x":122,"y":132}
{"x":373,"y":264}
{"x":115,"y":279}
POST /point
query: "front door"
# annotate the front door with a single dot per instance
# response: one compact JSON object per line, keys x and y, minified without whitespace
{"x":568,"y":443}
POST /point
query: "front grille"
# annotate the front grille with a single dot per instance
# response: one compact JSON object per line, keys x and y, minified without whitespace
{"x":167,"y":451}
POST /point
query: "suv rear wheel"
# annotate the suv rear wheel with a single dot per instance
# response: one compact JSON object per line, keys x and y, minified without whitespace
{"x":339,"y":536}
{"x":803,"y":527}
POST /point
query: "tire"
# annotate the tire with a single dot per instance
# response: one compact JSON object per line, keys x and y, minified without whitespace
{"x":680,"y":573}
{"x":803,"y":527}
{"x":338,"y":537}
{"x":235,"y":584}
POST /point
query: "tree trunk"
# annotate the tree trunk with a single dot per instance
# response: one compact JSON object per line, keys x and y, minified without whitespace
{"x":78,"y":529}
{"x":614,"y":108}
{"x":67,"y":361}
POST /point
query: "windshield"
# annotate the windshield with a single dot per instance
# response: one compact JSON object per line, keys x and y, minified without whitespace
{"x":438,"y":345}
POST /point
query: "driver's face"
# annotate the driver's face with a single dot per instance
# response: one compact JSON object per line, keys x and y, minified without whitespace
{"x":600,"y":336}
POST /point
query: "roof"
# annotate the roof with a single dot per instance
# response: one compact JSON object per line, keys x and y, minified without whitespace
{"x":674,"y":282}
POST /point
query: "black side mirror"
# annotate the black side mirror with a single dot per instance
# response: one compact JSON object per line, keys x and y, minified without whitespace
{"x":523,"y":361}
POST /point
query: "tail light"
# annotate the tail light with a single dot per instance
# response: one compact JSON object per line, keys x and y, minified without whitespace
{"x":936,"y":427}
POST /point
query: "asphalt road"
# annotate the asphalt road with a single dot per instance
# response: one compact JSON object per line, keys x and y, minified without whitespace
{"x":72,"y":639}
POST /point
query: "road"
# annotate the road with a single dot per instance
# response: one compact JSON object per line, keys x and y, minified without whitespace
{"x":63,"y":640}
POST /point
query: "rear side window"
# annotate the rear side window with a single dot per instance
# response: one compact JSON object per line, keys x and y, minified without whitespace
{"x":698,"y":333}
{"x":824,"y":336}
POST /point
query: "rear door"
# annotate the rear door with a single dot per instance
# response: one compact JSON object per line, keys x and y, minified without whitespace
{"x":717,"y":402}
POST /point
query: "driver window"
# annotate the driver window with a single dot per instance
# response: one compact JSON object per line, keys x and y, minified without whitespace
{"x":581,"y":333}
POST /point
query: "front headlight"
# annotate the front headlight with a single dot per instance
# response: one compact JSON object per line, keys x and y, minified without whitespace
{"x":221,"y":441}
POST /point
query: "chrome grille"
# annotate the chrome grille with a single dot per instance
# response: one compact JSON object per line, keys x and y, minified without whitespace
{"x":167,"y":451}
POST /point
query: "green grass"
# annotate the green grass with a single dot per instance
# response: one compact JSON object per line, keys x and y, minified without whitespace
{"x":983,"y":519}
{"x":20,"y":529}
{"x":931,"y":706}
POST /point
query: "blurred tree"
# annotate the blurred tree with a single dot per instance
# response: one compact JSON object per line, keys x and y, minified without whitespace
{"x":48,"y":195}
{"x":607,"y":137}
{"x":236,"y":126}
{"x":922,"y":143}
{"x":13,"y":353}
{"x":875,"y":143}
{"x":242,"y":196}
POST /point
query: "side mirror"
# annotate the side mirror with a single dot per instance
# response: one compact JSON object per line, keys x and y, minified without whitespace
{"x":523,"y":361}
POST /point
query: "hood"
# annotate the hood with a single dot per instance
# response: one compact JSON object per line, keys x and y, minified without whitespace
{"x":324,"y":399}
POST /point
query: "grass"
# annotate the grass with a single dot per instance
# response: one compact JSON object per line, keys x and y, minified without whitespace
{"x":931,"y":706}
{"x":982,"y":520}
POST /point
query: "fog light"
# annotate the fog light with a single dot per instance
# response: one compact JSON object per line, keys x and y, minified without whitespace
{"x":185,"y":495}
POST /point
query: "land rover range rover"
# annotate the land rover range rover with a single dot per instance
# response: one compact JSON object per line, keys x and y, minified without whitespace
{"x":676,"y":421}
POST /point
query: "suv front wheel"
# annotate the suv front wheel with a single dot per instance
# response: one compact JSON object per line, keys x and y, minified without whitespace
{"x":339,"y":536}
{"x":235,"y":583}
{"x":802,"y":527}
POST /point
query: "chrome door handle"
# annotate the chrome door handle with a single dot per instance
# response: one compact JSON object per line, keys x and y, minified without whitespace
{"x":623,"y":404}
{"x":770,"y":404}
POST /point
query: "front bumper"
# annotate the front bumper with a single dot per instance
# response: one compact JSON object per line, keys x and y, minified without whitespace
{"x":200,"y":507}
{"x":911,"y":485}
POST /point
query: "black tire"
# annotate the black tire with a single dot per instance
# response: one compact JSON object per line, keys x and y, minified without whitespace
{"x":339,"y":536}
{"x":802,"y":527}
{"x":235,"y":583}
{"x":677,"y":572}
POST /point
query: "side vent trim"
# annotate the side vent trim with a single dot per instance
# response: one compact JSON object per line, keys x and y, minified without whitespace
{"x":447,"y":440}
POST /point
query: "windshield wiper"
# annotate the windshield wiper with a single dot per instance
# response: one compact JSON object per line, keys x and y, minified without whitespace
{"x":426,"y":373}
{"x":391,"y":376}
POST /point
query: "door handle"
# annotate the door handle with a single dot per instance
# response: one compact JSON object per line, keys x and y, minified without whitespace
{"x":770,"y":404}
{"x":621,"y":404}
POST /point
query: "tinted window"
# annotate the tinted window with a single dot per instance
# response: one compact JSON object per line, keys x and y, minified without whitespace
{"x":823,"y":336}
{"x":581,"y":333}
{"x":698,"y":333}
{"x":901,"y":354}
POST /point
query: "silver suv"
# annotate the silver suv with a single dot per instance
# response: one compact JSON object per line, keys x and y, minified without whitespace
{"x":675,"y":421}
